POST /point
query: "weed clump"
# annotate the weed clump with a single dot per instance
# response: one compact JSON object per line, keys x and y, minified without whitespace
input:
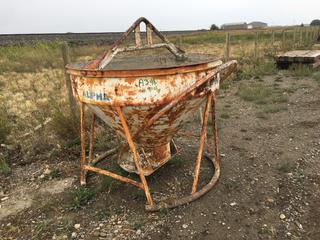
{"x":256,"y":93}
{"x":300,"y":71}
{"x":81,"y":197}
{"x":65,"y":125}
{"x":285,"y":167}
{"x":316,"y":77}
{"x":4,"y":166}
{"x":5,"y":126}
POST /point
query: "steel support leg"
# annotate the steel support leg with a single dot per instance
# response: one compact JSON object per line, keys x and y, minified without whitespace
{"x":215,"y":130}
{"x":83,"y":172}
{"x":135,"y":156}
{"x":201,"y":143}
{"x":91,"y":137}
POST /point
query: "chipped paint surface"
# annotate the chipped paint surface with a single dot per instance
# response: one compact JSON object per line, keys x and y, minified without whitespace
{"x":141,"y":98}
{"x":147,"y":103}
{"x":127,"y":91}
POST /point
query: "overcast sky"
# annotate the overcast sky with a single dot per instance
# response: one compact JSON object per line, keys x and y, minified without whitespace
{"x":48,"y":16}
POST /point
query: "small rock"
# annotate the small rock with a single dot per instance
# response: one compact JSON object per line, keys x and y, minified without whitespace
{"x":73,"y":235}
{"x":184,"y":226}
{"x":65,"y":237}
{"x":4,"y":199}
{"x":299,"y":225}
{"x":282,"y":216}
{"x":102,"y":234}
{"x":77,"y":226}
{"x":270,"y":200}
{"x":233,"y":204}
{"x":47,"y":171}
{"x":96,"y":234}
{"x":41,"y":176}
{"x":138,"y":232}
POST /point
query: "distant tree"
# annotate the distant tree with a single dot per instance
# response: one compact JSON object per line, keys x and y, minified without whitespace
{"x":214,"y":27}
{"x":302,"y":25}
{"x":315,"y":22}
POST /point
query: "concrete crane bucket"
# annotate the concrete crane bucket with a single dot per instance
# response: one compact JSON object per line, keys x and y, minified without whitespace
{"x":147,"y":99}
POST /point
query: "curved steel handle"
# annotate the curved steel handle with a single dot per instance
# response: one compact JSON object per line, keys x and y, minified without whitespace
{"x":105,"y":58}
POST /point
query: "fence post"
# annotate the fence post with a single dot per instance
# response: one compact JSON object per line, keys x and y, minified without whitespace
{"x":272,"y":41}
{"x":283,"y":39}
{"x":66,"y":60}
{"x":256,"y":45}
{"x":272,"y":38}
{"x":180,"y":41}
{"x":294,"y":37}
{"x":301,"y":37}
{"x":228,"y":46}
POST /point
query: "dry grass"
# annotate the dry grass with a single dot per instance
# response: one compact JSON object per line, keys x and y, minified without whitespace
{"x":32,"y":83}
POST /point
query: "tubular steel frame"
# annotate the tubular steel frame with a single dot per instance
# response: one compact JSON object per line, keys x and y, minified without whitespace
{"x":88,"y":165}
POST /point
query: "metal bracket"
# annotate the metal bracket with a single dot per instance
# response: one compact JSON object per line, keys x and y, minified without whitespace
{"x":106,"y":57}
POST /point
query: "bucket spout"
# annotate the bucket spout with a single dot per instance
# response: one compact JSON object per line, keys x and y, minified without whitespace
{"x":151,"y":158}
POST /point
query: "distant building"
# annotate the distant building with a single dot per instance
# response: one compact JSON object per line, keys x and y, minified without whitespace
{"x":254,"y":25}
{"x":235,"y":26}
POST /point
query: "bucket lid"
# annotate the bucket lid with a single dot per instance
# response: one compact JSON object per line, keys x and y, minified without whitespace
{"x":145,"y":62}
{"x":115,"y":59}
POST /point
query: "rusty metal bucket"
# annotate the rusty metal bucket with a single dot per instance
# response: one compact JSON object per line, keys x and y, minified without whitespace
{"x":147,"y":99}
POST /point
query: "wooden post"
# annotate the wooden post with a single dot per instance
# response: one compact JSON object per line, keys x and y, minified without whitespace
{"x":256,"y":45}
{"x":180,"y":41}
{"x":272,"y":41}
{"x":66,"y":60}
{"x":272,"y":38}
{"x":301,"y":37}
{"x":283,"y":39}
{"x":228,"y":46}
{"x":294,"y":37}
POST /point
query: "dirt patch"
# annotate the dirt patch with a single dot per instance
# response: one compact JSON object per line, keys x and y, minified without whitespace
{"x":58,"y":186}
{"x":21,"y":199}
{"x":15,"y":202}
